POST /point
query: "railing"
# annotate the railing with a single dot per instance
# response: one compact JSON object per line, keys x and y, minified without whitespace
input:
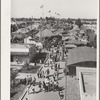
{"x":25,"y":91}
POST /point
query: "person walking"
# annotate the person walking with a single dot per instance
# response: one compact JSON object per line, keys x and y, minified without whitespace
{"x":56,"y":67}
{"x":51,"y":85}
{"x":54,"y":77}
{"x":59,"y":66}
{"x":44,"y":86}
{"x":27,"y":80}
{"x":28,"y":88}
{"x":38,"y":74}
{"x":55,"y":85}
{"x":30,"y":79}
{"x":33,"y":81}
{"x":61,"y":94}
{"x":40,"y":85}
{"x":48,"y":72}
{"x":26,"y":98}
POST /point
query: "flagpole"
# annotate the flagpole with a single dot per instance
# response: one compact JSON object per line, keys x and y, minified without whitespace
{"x":16,"y":23}
{"x":55,"y":14}
{"x":43,"y":12}
{"x":50,"y":13}
{"x":42,"y":7}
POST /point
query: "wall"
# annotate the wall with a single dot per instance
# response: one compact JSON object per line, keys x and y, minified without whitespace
{"x":84,"y":69}
{"x":21,"y":58}
{"x":85,"y":95}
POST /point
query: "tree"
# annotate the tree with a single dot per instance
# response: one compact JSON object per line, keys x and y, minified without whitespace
{"x":32,"y":52}
{"x":13,"y":75}
{"x":78,"y":23}
{"x":69,"y":21}
{"x":92,"y":38}
{"x":13,"y":28}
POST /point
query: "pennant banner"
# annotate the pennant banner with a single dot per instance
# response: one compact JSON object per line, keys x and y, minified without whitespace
{"x":41,"y":6}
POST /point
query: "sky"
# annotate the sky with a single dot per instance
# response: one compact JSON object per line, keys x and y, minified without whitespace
{"x":66,"y":8}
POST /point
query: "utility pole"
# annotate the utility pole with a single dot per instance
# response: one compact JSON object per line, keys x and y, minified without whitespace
{"x":66,"y":73}
{"x":42,"y":7}
{"x":65,"y":80}
{"x":91,"y":25}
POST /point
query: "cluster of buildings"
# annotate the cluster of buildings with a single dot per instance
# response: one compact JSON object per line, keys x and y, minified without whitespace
{"x":81,"y":57}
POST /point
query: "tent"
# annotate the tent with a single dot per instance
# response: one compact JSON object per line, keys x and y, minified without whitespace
{"x":91,"y":34}
{"x":76,"y":28}
{"x":39,"y":44}
{"x":82,"y":56}
{"x":18,"y":35}
{"x":57,"y":32}
{"x":83,"y":27}
{"x":22,"y":30}
{"x":68,"y":37}
{"x":76,"y":42}
{"x":82,"y":31}
{"x":44,"y":33}
{"x":70,"y":46}
{"x":48,"y":33}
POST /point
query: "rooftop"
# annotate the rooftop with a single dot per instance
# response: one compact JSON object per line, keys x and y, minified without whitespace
{"x":81,"y":54}
{"x":87,"y":83}
{"x":72,"y":91}
{"x":22,"y":46}
{"x":19,"y":49}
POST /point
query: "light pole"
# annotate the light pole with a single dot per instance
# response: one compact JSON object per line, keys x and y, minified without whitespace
{"x":66,"y":72}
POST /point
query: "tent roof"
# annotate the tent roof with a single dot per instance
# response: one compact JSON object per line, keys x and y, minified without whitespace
{"x":56,"y":33}
{"x":81,"y":54}
{"x":22,"y":30}
{"x":75,"y":27}
{"x":70,"y":46}
{"x":68,"y":37}
{"x":18,"y":51}
{"x":45,"y":33}
{"x":18,"y":35}
{"x":83,"y":28}
{"x":76,"y":42}
{"x":82,"y":31}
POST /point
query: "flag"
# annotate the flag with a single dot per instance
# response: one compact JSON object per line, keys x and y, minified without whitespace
{"x":58,"y":14}
{"x":41,"y":6}
{"x":49,"y":11}
{"x":13,"y":20}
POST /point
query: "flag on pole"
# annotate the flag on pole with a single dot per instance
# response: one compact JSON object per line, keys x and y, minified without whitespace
{"x":13,"y":20}
{"x":41,"y":6}
{"x":49,"y":11}
{"x":58,"y":14}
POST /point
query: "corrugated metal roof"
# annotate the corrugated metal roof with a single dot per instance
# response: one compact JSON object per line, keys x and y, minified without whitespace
{"x":81,"y":54}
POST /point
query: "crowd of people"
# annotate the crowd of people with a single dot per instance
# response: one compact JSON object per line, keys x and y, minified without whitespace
{"x":46,"y":81}
{"x":49,"y":83}
{"x":47,"y":77}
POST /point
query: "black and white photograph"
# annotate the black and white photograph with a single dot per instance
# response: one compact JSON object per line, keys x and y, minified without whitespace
{"x":53,"y":50}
